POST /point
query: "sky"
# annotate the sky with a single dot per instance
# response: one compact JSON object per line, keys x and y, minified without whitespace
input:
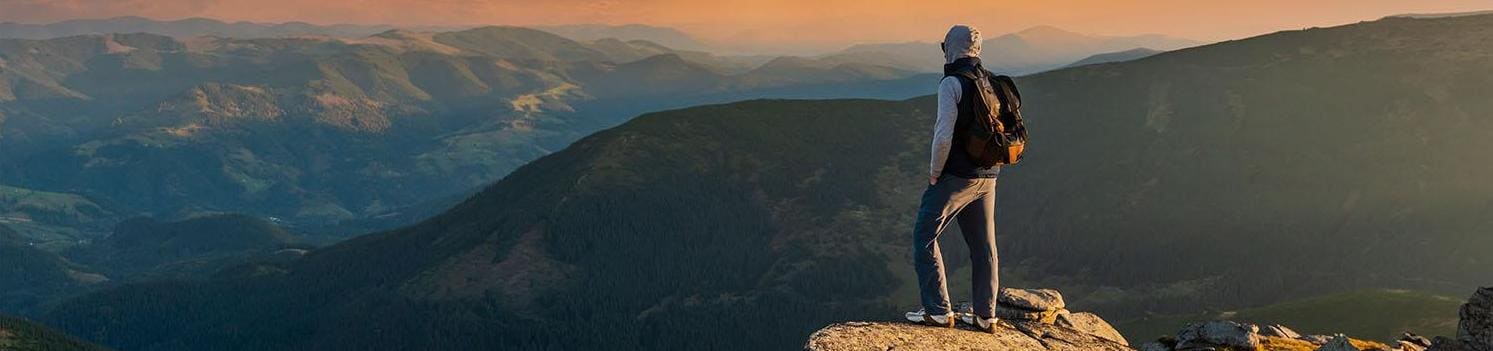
{"x":781,"y":24}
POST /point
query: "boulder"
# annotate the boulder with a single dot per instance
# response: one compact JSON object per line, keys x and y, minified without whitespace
{"x":1403,"y":345}
{"x":1092,"y":324}
{"x":1315,"y":339}
{"x":1031,"y":299}
{"x":1211,"y":335}
{"x":1153,"y":346}
{"x":1475,"y":331}
{"x":1339,"y":343}
{"x":1279,"y":331}
{"x":880,"y":336}
{"x":1412,"y":342}
{"x":1443,"y":343}
{"x":1020,"y":315}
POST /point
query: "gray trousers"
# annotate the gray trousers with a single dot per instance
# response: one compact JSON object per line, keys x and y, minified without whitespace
{"x":971,"y":202}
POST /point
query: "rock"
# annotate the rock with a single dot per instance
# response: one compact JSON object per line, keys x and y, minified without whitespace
{"x":1339,"y":343}
{"x":1279,"y":331}
{"x":1475,"y":331}
{"x":1154,"y":346}
{"x":1032,"y":299}
{"x":1092,"y":324}
{"x":1448,"y":344}
{"x":1208,"y":335}
{"x":881,"y":336}
{"x":1412,"y":342}
{"x":1316,"y":339}
{"x":1415,"y":339}
{"x":1403,"y":345}
{"x":1020,"y":315}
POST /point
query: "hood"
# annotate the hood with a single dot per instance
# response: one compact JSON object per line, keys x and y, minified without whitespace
{"x":962,"y":41}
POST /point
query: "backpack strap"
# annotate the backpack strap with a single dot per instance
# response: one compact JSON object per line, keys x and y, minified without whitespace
{"x":1007,"y":89}
{"x":1011,"y":101}
{"x":968,"y":90}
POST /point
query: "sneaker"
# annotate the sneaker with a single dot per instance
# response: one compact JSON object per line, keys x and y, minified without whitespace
{"x":922,"y":317}
{"x":987,"y":325}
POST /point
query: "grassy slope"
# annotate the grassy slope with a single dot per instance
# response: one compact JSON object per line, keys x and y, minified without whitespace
{"x":22,"y":335}
{"x":51,"y":219}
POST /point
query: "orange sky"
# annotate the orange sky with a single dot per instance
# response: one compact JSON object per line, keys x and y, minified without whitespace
{"x":785,"y":24}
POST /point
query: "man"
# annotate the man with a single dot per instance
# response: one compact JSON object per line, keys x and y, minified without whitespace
{"x":958,"y":190}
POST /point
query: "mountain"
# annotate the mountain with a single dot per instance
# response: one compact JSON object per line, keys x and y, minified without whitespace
{"x":144,"y":248}
{"x":197,"y":27}
{"x":1443,"y":15}
{"x":1032,"y":50}
{"x":52,"y":220}
{"x":665,"y":36}
{"x":317,"y":130}
{"x":32,"y":275}
{"x":188,"y":27}
{"x":1119,"y":56}
{"x":1221,"y":177}
{"x":18,"y":334}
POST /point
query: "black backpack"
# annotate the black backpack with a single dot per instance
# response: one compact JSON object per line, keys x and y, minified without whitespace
{"x":991,"y":138}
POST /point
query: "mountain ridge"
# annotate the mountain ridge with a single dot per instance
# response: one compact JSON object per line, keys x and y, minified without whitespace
{"x":1027,"y":51}
{"x":296,"y":128}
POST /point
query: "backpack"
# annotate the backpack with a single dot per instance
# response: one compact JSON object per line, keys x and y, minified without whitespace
{"x":992,"y":138}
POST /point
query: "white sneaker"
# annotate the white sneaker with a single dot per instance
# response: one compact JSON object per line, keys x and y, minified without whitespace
{"x":933,"y":320}
{"x":983,"y":324}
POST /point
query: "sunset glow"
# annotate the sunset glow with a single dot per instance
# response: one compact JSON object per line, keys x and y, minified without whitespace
{"x":783,"y":24}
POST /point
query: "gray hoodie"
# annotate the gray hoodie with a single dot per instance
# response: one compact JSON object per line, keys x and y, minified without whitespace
{"x":962,"y":41}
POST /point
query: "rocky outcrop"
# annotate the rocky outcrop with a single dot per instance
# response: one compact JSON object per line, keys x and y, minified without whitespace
{"x":1217,"y":334}
{"x":1038,"y":320}
{"x":1476,"y":327}
{"x":1037,"y":305}
{"x":1475,"y":331}
{"x":1279,"y":331}
{"x":1412,"y":342}
{"x":1234,"y":336}
{"x":879,"y":336}
{"x":1041,"y":321}
{"x":1339,"y":343}
{"x":1091,"y":324}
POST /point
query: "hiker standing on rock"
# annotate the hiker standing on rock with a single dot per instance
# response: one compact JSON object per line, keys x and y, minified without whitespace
{"x":978,"y":128}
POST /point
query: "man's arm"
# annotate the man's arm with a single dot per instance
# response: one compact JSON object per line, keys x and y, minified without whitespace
{"x":949,"y":91}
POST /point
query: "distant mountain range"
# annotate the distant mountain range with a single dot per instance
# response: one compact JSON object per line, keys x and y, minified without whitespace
{"x":1442,"y":15}
{"x":190,"y":27}
{"x":1119,"y":56}
{"x":1032,"y":50}
{"x":318,"y":130}
{"x":665,"y":36}
{"x":1238,"y":174}
{"x":1028,"y":51}
{"x":195,"y":27}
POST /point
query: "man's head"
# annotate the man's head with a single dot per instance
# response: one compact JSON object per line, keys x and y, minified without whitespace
{"x":962,"y":41}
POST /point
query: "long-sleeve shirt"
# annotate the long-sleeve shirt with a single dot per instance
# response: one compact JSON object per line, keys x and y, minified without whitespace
{"x":949,"y":93}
